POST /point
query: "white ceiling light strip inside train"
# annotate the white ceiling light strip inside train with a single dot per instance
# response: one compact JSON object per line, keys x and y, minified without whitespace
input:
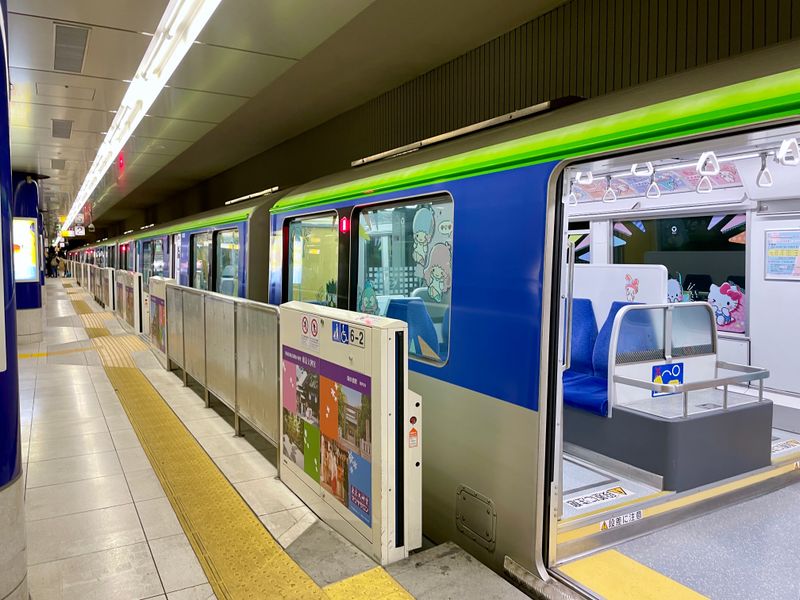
{"x":182,"y":22}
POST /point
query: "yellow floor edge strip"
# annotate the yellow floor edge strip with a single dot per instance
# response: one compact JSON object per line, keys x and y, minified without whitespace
{"x":239,"y":556}
{"x":618,"y":577}
{"x":55,"y":353}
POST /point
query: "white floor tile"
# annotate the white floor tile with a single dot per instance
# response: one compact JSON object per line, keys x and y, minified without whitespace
{"x":83,"y":533}
{"x":71,"y":446}
{"x":201,"y":592}
{"x":78,"y":496}
{"x":176,"y":562}
{"x":133,"y":459}
{"x":119,"y":573}
{"x":60,"y":429}
{"x":74,"y":468}
{"x":245,"y":466}
{"x":144,"y":485}
{"x":268,"y":495}
{"x":125,"y":438}
{"x":158,"y":518}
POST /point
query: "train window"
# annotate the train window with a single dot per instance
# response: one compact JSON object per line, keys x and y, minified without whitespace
{"x":201,"y":260}
{"x":314,"y":259}
{"x":705,"y":257}
{"x":226,"y":249}
{"x":147,"y":263}
{"x":404,"y":270}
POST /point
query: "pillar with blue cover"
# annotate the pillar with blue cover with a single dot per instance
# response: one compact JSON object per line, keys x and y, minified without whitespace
{"x":13,"y":564}
{"x":29,"y":293}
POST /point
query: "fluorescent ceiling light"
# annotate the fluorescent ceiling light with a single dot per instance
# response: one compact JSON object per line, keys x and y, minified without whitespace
{"x":265,"y":192}
{"x":181,"y":23}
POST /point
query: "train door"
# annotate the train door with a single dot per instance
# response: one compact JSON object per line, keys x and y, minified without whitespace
{"x":176,"y":257}
{"x":677,"y":396}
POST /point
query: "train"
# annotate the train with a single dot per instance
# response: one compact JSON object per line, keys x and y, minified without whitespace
{"x":553,"y":272}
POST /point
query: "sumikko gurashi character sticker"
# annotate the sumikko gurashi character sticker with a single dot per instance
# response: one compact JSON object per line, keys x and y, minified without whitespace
{"x":438,"y":272}
{"x":423,"y":228}
{"x":369,"y":300}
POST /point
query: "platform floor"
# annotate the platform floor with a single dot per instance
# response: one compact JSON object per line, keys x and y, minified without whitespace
{"x":134,"y":489}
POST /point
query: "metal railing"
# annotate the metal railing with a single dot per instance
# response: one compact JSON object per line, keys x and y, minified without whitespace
{"x":230,"y":346}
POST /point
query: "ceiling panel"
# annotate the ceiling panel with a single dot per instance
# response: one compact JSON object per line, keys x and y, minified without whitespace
{"x":173,"y":129}
{"x":35,"y":86}
{"x":226,"y":71}
{"x":142,"y":15}
{"x":290,"y":28}
{"x":109,"y":53}
{"x":41,"y":115}
{"x":189,"y":104}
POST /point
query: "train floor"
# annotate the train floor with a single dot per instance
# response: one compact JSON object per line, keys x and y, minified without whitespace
{"x":134,"y":489}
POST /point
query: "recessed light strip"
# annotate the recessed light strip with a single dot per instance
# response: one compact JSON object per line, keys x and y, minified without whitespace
{"x":181,"y":23}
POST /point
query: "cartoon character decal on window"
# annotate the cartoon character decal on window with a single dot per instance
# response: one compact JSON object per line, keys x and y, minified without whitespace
{"x":438,"y":272}
{"x":631,"y":287}
{"x":369,"y":300}
{"x":330,"y":293}
{"x":728,"y":303}
{"x":423,"y":228}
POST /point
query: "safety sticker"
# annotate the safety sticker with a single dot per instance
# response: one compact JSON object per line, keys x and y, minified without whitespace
{"x":413,"y":438}
{"x":309,"y":330}
{"x":785,"y":445}
{"x":598,"y":497}
{"x":621,"y":520}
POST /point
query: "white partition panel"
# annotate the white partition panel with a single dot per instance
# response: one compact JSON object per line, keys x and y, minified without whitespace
{"x":605,"y":284}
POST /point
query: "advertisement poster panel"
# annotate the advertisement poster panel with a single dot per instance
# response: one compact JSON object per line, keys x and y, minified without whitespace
{"x":782,"y":257}
{"x":327,"y":427}
{"x":158,"y":322}
{"x":129,"y":314}
{"x":26,"y":250}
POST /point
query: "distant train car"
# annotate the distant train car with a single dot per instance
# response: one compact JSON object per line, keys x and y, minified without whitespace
{"x":553,"y":393}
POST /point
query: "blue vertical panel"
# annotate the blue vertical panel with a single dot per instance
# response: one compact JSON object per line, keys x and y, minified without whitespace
{"x":10,"y":465}
{"x":26,"y":204}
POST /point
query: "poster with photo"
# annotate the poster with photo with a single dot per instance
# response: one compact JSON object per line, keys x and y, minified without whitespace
{"x":327,"y":427}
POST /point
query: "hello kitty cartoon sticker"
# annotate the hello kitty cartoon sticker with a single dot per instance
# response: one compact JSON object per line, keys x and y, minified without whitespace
{"x":728,"y":302}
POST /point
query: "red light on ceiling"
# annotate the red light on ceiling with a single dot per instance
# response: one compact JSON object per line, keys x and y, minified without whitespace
{"x":121,"y":162}
{"x":344,"y":225}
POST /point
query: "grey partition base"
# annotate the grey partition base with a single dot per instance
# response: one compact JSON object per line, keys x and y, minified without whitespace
{"x":687,"y":452}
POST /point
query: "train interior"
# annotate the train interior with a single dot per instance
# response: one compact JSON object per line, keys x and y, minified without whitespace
{"x":681,"y":283}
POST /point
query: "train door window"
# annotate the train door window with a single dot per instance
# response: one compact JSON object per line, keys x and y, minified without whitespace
{"x":147,"y":263}
{"x":201,"y":260}
{"x":226,"y":249}
{"x":158,"y":258}
{"x":705,"y":257}
{"x":404,"y":270}
{"x":176,"y":256}
{"x":314,"y":259}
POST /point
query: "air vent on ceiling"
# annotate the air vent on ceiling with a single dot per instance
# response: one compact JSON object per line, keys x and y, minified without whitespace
{"x":62,"y":128}
{"x":70,"y":48}
{"x":58,"y":163}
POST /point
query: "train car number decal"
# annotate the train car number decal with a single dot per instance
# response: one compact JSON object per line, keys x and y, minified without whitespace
{"x":348,"y":334}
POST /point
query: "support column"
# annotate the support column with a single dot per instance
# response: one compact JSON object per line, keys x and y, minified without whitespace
{"x":30,"y":313}
{"x":13,"y":561}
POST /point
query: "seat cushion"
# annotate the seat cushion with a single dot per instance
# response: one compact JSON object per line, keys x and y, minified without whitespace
{"x":601,"y":346}
{"x":422,"y":338}
{"x":584,"y":335}
{"x":586,"y":392}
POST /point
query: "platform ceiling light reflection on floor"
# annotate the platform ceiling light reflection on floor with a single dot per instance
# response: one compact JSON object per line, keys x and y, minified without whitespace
{"x":182,"y":22}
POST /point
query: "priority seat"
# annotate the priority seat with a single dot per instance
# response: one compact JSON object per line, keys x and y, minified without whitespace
{"x":421,"y":332}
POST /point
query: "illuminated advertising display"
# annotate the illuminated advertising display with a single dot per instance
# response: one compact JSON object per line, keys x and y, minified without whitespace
{"x":26,"y":250}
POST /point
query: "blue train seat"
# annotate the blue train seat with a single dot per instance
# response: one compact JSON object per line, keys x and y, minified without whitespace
{"x":445,"y":333}
{"x":587,"y":387}
{"x":420,"y":326}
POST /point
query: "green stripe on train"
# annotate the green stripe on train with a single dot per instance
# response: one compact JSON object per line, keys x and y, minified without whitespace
{"x":763,"y":99}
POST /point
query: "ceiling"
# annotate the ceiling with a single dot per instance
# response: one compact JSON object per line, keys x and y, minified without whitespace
{"x":261,"y":71}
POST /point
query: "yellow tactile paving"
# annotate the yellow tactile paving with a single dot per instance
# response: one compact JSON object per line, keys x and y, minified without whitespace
{"x":375,"y":584}
{"x":67,"y":285}
{"x":55,"y":353}
{"x":96,"y":320}
{"x":614,"y":576}
{"x":238,"y":555}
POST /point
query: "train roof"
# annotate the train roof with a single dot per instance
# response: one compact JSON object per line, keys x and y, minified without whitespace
{"x":211,"y":218}
{"x":599,"y":125}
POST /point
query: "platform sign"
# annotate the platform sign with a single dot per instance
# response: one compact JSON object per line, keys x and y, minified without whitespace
{"x":341,"y":418}
{"x":782,"y":254}
{"x":670,"y":374}
{"x":26,"y":250}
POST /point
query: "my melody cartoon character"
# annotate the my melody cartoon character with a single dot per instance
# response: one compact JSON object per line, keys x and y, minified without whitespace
{"x":724,"y":299}
{"x":423,"y":233}
{"x":631,"y":287}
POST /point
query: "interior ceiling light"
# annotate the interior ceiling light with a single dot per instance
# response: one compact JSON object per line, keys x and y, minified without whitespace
{"x":653,"y":191}
{"x":584,"y":178}
{"x":181,"y":23}
{"x":642,"y":170}
{"x":708,"y":164}
{"x":610,"y":195}
{"x":764,"y":179}
{"x":789,"y":153}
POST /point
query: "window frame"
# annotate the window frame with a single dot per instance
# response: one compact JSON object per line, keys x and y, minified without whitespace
{"x":192,"y":270}
{"x":443,"y":196}
{"x":214,"y":246}
{"x":343,"y":254}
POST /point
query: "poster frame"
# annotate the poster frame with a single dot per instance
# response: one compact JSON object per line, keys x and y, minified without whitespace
{"x":775,"y":277}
